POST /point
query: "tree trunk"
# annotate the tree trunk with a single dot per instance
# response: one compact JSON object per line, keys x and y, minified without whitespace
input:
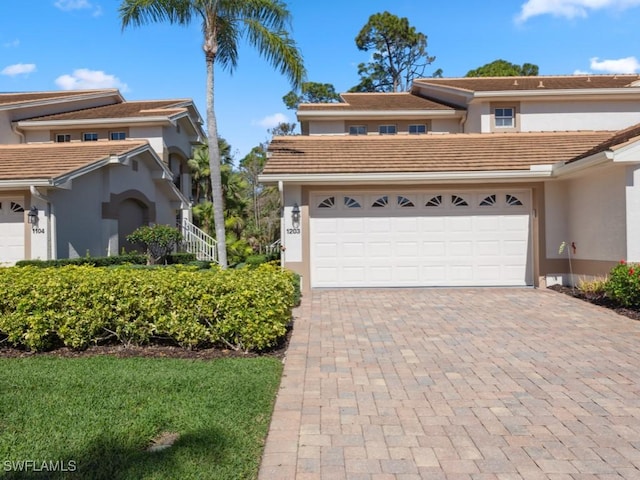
{"x":214,"y":165}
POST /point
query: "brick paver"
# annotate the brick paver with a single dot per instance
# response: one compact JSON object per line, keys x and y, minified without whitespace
{"x":456,"y":384}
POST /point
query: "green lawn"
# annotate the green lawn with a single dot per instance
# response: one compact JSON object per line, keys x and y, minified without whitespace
{"x":100,"y":413}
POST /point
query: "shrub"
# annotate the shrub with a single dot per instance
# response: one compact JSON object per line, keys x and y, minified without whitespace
{"x":128,"y":258}
{"x":623,"y":284}
{"x":593,"y":289}
{"x":247,"y":309}
{"x":158,"y":240}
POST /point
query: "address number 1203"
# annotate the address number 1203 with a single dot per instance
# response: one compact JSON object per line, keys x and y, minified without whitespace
{"x":293,"y":231}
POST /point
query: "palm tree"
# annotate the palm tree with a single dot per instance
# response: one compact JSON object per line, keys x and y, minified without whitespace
{"x":263,"y":23}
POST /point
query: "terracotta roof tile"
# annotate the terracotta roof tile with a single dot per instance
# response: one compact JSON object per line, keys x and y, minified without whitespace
{"x":490,"y":84}
{"x":616,"y":141}
{"x":425,"y":153}
{"x":27,"y":97}
{"x":51,"y":160}
{"x":153,"y":108}
{"x":376,"y":101}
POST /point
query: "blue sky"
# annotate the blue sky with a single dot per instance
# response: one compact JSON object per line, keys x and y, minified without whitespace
{"x":65,"y":44}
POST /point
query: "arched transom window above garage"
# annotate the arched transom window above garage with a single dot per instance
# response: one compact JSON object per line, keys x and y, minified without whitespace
{"x":416,"y":202}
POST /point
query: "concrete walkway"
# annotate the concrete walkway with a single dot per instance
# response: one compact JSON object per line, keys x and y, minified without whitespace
{"x":456,"y":384}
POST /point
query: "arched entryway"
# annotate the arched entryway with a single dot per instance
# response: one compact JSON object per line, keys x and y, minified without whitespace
{"x":132,"y":214}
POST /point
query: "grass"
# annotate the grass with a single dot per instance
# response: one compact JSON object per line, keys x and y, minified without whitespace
{"x":101,"y":413}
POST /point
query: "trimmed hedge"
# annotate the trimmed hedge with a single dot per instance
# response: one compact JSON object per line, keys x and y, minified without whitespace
{"x":124,"y":259}
{"x":76,"y":306}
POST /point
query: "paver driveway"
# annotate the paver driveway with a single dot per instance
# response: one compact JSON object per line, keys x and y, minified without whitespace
{"x":457,"y":384}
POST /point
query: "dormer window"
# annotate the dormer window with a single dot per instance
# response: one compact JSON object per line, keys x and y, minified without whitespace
{"x":63,"y":138}
{"x":357,"y":130}
{"x":117,"y":135}
{"x":505,"y":117}
{"x":89,"y":137}
{"x":387,"y":130}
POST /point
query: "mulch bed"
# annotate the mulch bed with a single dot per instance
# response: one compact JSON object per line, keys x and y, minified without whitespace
{"x":149,"y":351}
{"x":599,"y":299}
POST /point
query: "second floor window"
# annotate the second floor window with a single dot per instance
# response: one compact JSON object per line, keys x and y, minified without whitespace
{"x":117,"y":135}
{"x":89,"y":137}
{"x":417,"y":129}
{"x":63,"y":137}
{"x":357,"y":130}
{"x":505,"y":117}
{"x":387,"y":129}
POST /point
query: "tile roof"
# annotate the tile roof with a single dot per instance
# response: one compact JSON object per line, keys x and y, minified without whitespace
{"x":51,"y":160}
{"x":376,"y":101}
{"x":152,"y":108}
{"x":17,"y":98}
{"x":333,"y":154}
{"x":568,"y":82}
{"x":618,"y":140}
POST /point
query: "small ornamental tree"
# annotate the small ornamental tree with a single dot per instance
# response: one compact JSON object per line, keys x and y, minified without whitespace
{"x":158,"y":241}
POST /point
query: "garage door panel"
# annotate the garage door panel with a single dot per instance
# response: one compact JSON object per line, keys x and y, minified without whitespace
{"x":352,"y":225}
{"x":488,"y":248}
{"x":433,"y":249}
{"x":353,"y":274}
{"x":419,"y":246}
{"x":407,"y":274}
{"x":405,"y":225}
{"x":378,"y":249}
{"x":12,"y":230}
{"x":459,"y":224}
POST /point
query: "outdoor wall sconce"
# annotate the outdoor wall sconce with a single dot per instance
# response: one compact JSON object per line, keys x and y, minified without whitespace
{"x":295,"y":214}
{"x":32,"y":216}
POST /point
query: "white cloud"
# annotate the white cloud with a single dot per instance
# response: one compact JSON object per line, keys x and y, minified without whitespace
{"x":12,"y":44}
{"x":19,"y":69}
{"x":69,"y":5}
{"x":581,"y":72}
{"x":570,"y":8}
{"x":621,"y":65}
{"x":84,"y":78}
{"x":272,"y":121}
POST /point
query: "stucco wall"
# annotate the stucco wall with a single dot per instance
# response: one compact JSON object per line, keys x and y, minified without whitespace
{"x":325,"y":128}
{"x":570,"y":116}
{"x":6,"y":134}
{"x":445,"y":125}
{"x":79,"y":218}
{"x":79,"y":214}
{"x":589,"y":211}
{"x":154,"y":136}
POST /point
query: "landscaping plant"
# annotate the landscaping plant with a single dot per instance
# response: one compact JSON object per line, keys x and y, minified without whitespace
{"x":623,"y":284}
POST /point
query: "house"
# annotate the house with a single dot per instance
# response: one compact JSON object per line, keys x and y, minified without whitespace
{"x":463,"y":182}
{"x":80,"y":170}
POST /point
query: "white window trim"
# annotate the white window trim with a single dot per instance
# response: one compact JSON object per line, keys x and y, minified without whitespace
{"x":84,"y":136}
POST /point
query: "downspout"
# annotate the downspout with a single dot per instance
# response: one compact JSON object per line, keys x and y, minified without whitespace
{"x":463,"y":120}
{"x":52,"y":243}
{"x":17,"y":131}
{"x":282,"y":247}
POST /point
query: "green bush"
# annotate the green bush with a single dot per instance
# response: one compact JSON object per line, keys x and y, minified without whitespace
{"x":158,"y":240}
{"x":623,"y":284}
{"x":128,"y":258}
{"x":76,"y":306}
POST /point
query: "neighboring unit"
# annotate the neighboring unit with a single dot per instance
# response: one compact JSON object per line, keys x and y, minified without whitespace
{"x":463,"y":182}
{"x":80,"y":170}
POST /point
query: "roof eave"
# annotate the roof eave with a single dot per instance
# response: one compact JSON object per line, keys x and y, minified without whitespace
{"x":356,"y":114}
{"x":51,"y":101}
{"x":408,"y":177}
{"x":554,"y":93}
{"x":34,"y":125}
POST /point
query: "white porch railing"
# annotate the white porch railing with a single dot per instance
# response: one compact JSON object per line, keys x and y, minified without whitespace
{"x":196,"y":241}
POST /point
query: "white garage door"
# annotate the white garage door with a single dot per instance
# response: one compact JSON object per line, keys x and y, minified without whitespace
{"x":408,"y":238}
{"x":11,"y":230}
